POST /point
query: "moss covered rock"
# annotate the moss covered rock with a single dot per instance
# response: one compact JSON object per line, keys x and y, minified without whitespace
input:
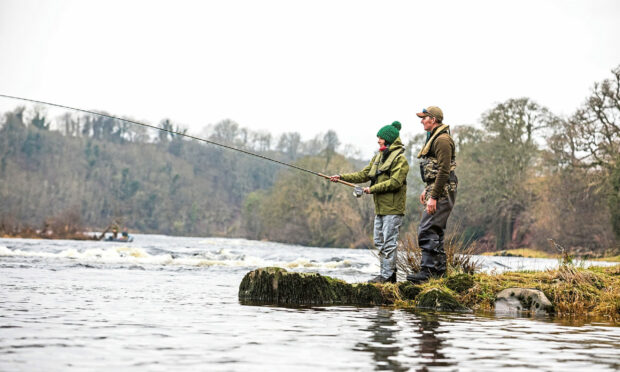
{"x":439,"y":299}
{"x":273,"y":285}
{"x":460,"y":283}
{"x":409,"y":291}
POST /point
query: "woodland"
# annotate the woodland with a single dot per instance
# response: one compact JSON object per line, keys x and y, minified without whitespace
{"x":525,"y":175}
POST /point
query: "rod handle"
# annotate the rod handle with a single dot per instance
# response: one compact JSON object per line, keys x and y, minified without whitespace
{"x":340,"y":181}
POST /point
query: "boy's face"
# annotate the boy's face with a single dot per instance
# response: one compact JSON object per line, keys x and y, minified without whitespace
{"x":380,"y":141}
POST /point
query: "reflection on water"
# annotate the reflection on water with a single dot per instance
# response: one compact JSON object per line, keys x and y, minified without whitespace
{"x":382,"y":342}
{"x":430,"y":341}
{"x":411,"y":340}
{"x":422,"y":347}
{"x":171,"y":304}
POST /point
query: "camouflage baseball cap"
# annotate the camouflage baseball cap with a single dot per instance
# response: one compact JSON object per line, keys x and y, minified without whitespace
{"x":432,"y":111}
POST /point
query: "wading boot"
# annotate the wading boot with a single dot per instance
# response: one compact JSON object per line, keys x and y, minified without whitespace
{"x":422,"y":276}
{"x":380,"y":279}
{"x":392,"y":278}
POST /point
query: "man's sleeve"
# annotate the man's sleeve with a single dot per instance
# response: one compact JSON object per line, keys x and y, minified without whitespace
{"x":443,"y":151}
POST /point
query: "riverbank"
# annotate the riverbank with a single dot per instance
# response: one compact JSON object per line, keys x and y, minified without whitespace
{"x":572,"y":291}
{"x":522,"y":252}
{"x":35,"y":234}
{"x":535,"y":253}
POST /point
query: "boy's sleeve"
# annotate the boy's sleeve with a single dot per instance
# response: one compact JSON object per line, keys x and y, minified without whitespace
{"x":358,"y":177}
{"x":397,"y":178}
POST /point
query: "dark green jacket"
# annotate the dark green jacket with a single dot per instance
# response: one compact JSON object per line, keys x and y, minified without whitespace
{"x":389,"y":190}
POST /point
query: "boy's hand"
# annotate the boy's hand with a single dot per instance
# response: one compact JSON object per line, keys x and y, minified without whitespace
{"x":334,"y":178}
{"x":367,"y":190}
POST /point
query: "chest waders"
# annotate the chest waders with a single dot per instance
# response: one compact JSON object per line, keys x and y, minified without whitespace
{"x":432,"y":226}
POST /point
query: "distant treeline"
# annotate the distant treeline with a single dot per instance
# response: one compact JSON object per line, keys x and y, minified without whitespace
{"x":525,"y":175}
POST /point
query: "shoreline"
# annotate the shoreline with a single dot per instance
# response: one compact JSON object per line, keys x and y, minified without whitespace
{"x":572,"y":291}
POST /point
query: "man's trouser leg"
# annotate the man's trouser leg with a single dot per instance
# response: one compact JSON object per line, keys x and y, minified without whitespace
{"x":431,"y":234}
{"x":385,"y":238}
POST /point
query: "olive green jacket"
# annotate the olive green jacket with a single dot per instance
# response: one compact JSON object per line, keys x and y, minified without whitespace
{"x":389,"y":189}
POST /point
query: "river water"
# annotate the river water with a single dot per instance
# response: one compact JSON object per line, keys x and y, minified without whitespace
{"x":170,"y":304}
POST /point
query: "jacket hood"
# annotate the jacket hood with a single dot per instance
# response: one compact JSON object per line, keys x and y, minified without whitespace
{"x":396,"y":145}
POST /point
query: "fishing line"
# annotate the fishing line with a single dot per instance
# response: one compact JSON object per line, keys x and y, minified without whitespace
{"x":176,"y":133}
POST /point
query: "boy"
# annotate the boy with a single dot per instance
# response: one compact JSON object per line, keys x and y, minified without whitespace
{"x":387,"y":173}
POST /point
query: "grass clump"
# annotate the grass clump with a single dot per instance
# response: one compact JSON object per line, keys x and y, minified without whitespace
{"x":459,"y":254}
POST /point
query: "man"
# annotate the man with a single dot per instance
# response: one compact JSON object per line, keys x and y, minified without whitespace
{"x":387,"y":173}
{"x":437,"y":169}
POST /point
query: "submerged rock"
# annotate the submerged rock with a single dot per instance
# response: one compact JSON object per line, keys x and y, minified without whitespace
{"x":515,"y":300}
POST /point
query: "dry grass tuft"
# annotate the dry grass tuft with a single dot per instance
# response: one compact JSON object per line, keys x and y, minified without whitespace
{"x":459,"y":254}
{"x":576,"y":277}
{"x":409,"y":254}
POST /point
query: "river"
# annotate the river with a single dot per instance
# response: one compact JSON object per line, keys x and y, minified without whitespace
{"x":170,"y":304}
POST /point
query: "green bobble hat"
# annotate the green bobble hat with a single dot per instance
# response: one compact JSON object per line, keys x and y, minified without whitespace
{"x":390,"y":132}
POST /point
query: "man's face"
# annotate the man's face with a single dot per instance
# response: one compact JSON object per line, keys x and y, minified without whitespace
{"x":428,"y":123}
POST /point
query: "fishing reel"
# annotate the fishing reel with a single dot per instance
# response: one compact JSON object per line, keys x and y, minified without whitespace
{"x":358,"y":191}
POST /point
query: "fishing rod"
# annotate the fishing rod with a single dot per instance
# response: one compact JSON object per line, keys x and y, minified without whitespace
{"x":357,"y":192}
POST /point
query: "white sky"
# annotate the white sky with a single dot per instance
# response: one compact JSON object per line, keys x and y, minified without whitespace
{"x":306,"y":66}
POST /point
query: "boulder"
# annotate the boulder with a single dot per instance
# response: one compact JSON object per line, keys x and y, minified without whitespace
{"x":516,"y":300}
{"x":460,"y":283}
{"x":408,"y":290}
{"x":274,"y":285}
{"x":438,"y":299}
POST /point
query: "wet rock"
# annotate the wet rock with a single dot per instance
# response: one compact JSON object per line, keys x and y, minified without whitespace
{"x":460,"y":283}
{"x":516,"y":300}
{"x":408,"y":290}
{"x":438,"y":299}
{"x":273,"y":285}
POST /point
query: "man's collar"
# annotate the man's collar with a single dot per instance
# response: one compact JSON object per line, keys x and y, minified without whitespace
{"x":437,"y":125}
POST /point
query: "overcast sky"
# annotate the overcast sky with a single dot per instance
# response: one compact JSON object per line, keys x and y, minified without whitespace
{"x":306,"y":66}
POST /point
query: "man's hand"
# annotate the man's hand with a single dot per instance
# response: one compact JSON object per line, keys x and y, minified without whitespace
{"x":422,"y":196}
{"x":334,"y":178}
{"x":431,"y":206}
{"x":366,"y":190}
